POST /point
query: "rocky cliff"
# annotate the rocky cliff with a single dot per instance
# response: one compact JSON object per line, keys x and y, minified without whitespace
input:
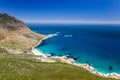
{"x":14,"y":34}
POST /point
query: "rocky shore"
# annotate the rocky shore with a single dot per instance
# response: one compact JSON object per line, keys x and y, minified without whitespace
{"x":65,"y":59}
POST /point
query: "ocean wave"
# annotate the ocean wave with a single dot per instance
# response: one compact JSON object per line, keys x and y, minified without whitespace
{"x":57,"y":32}
{"x":50,"y":36}
{"x":68,"y":35}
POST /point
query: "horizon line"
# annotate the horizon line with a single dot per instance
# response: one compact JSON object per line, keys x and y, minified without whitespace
{"x":70,"y":22}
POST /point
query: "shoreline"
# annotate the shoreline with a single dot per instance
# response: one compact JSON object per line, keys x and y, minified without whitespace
{"x":65,"y":59}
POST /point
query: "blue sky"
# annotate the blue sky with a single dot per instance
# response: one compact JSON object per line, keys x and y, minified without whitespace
{"x":61,"y":10}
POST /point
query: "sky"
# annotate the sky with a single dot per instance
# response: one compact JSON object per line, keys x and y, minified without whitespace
{"x":62,"y":10}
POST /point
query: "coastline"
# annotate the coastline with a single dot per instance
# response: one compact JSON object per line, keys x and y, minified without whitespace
{"x":65,"y":59}
{"x":44,"y":58}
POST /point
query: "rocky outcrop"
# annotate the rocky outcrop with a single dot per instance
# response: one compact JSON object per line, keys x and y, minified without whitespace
{"x":15,"y":34}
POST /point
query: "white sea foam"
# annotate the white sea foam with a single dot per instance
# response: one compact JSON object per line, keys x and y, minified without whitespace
{"x":50,"y":36}
{"x":58,"y":32}
{"x":38,"y":53}
{"x":67,"y":35}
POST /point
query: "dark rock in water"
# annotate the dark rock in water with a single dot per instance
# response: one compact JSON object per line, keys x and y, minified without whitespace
{"x":110,"y":68}
{"x":62,"y":49}
{"x":59,"y":55}
{"x":69,"y":53}
{"x":69,"y":56}
{"x":43,"y":43}
{"x":87,"y":62}
{"x":78,"y":57}
{"x":52,"y":54}
{"x":74,"y":58}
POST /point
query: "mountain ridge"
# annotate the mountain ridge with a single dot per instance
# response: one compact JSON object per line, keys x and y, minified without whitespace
{"x":14,"y":34}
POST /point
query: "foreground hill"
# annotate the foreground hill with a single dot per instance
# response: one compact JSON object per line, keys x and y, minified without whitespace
{"x":15,"y":35}
{"x":26,"y":67}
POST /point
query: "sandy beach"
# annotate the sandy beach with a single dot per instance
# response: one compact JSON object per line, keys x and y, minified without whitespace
{"x":65,"y":59}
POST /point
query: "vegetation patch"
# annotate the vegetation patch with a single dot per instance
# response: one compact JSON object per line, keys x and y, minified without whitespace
{"x":1,"y":37}
{"x":23,"y":67}
{"x":5,"y":18}
{"x":2,"y":50}
{"x":13,"y":44}
{"x":12,"y":28}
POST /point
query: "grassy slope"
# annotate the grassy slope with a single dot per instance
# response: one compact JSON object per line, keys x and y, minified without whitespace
{"x":13,"y":44}
{"x":1,"y":36}
{"x":19,"y":67}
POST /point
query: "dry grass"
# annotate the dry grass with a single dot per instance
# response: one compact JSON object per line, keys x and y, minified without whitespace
{"x":25,"y":67}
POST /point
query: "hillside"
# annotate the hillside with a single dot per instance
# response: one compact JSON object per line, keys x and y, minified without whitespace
{"x":17,"y":63}
{"x":15,"y":34}
{"x":26,"y":67}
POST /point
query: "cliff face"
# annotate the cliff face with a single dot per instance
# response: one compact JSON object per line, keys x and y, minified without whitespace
{"x":15,"y":34}
{"x":11,"y":23}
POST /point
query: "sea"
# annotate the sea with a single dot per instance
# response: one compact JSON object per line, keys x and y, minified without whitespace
{"x":95,"y":45}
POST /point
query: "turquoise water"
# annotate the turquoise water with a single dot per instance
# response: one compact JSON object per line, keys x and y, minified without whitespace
{"x":96,"y":45}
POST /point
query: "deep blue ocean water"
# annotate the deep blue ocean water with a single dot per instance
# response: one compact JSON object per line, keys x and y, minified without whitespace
{"x":96,"y":45}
